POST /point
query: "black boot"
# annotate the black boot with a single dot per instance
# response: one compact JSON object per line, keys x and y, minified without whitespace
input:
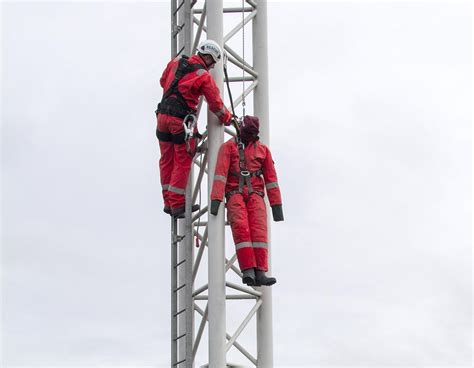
{"x":248,"y":276}
{"x":262,"y":279}
{"x":179,"y":212}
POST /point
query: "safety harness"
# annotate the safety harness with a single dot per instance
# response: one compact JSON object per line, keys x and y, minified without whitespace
{"x":244,"y":175}
{"x":174,"y":104}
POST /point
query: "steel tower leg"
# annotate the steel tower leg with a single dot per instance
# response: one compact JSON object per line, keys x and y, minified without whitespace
{"x":217,"y":307}
{"x":261,"y":108}
{"x":187,"y":249}
{"x":174,"y":300}
{"x":182,"y":311}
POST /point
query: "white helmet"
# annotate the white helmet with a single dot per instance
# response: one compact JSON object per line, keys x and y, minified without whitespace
{"x":210,"y":47}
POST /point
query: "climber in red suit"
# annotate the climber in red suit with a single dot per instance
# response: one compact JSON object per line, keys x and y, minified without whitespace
{"x":184,"y":81}
{"x":243,"y":179}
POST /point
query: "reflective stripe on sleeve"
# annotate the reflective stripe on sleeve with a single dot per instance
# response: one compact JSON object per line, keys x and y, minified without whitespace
{"x":271,"y":185}
{"x":220,"y":112}
{"x":220,"y":177}
{"x":260,"y":245}
{"x":165,"y":186}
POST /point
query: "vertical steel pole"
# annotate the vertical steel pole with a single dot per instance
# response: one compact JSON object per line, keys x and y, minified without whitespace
{"x":261,"y":109}
{"x":174,"y":300}
{"x":174,"y":23}
{"x":174,"y":257}
{"x":182,"y":244}
{"x":186,"y":249}
{"x":188,"y":224}
{"x":216,"y":276}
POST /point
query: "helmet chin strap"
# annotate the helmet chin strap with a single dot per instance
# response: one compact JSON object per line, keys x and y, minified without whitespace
{"x":205,"y":58}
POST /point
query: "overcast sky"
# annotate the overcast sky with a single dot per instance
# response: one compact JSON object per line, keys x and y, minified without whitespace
{"x":370,"y":109}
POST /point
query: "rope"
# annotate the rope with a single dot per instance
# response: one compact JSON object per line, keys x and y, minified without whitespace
{"x":228,"y":85}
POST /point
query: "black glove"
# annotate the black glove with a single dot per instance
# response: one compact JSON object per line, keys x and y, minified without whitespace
{"x":215,"y":203}
{"x":234,"y":120}
{"x":277,"y":212}
{"x":235,"y":123}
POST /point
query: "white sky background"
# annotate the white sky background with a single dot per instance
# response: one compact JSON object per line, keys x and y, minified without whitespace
{"x":371,"y":135}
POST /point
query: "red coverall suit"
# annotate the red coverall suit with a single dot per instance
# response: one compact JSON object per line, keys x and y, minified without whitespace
{"x":175,"y":161}
{"x":246,"y":210}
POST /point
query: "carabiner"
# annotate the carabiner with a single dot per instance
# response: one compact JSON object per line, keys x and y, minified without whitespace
{"x":189,"y":123}
{"x":245,"y":173}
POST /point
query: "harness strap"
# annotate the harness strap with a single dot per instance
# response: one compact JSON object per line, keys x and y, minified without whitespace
{"x":164,"y":137}
{"x":254,"y":173}
{"x":179,"y":138}
{"x":244,"y":175}
{"x":174,"y":107}
{"x":175,"y":138}
{"x":242,"y":163}
{"x":173,"y":102}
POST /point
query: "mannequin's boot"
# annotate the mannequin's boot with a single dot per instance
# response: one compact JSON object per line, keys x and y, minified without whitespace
{"x":248,"y":276}
{"x":262,"y":279}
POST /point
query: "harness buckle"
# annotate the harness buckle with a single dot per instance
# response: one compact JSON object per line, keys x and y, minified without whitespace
{"x":189,"y":124}
{"x":245,"y":173}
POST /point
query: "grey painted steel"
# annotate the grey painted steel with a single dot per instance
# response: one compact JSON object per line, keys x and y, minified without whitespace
{"x":202,"y":171}
{"x":230,"y":131}
{"x":228,"y":10}
{"x":200,"y":331}
{"x":249,"y":89}
{"x":173,"y":250}
{"x":252,"y":3}
{"x":243,"y":324}
{"x":202,"y":246}
{"x":240,"y":79}
{"x":188,"y":221}
{"x":237,"y":28}
{"x":198,"y":35}
{"x":261,"y":109}
{"x":182,"y":250}
{"x":174,"y":284}
{"x":243,"y":289}
{"x":237,"y":56}
{"x":236,"y":270}
{"x":200,"y":290}
{"x":216,"y":272}
{"x":238,"y":64}
{"x":185,"y":268}
{"x":174,"y":23}
{"x":188,"y":269}
{"x":196,"y":21}
{"x":228,"y":337}
{"x":230,"y":262}
{"x":228,"y":296}
{"x":197,"y":163}
{"x":199,"y":214}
